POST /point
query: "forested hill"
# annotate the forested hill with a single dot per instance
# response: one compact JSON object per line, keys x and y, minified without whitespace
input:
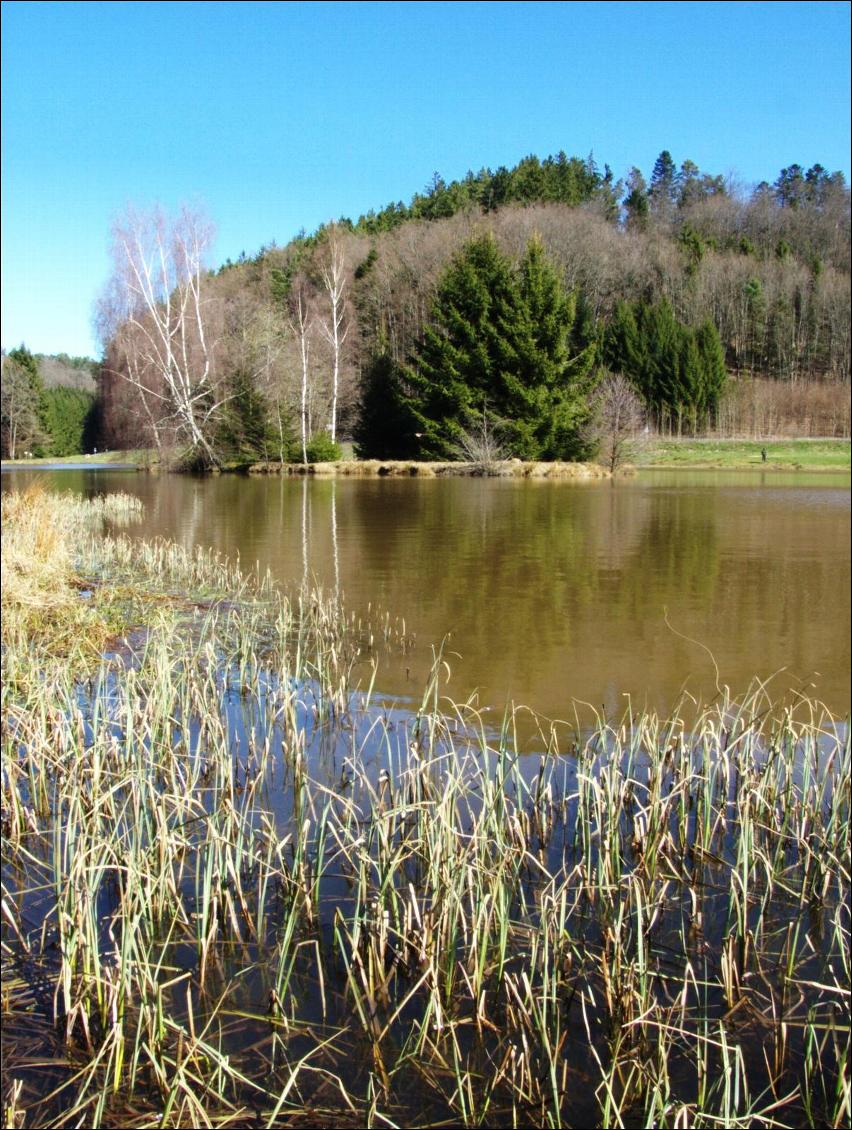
{"x":664,"y":257}
{"x":671,"y":194}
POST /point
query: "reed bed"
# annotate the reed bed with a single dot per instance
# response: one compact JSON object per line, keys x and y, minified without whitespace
{"x":240,"y":889}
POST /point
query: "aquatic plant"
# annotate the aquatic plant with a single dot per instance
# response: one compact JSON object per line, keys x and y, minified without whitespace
{"x":240,"y":888}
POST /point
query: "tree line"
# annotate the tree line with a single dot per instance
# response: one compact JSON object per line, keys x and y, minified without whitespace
{"x":422,"y":325}
{"x":48,"y":406}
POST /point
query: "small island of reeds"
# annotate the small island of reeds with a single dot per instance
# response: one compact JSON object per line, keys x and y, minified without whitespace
{"x":242,"y":889}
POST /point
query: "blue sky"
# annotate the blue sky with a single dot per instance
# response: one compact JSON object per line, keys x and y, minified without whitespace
{"x":278,"y":116}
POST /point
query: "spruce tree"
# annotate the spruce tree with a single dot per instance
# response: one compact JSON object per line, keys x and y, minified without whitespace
{"x":500,"y":353}
{"x":662,"y":191}
{"x":28,"y":363}
{"x":679,"y":372}
{"x":452,"y":378}
{"x":555,"y":366}
{"x":636,"y":200}
{"x":714,"y":372}
{"x":385,"y":426}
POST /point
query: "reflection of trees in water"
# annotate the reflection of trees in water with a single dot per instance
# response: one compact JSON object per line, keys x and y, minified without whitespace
{"x":468,"y":543}
{"x":773,"y":595}
{"x":550,"y":590}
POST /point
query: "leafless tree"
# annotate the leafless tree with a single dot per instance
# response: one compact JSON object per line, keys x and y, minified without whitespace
{"x":155,"y":301}
{"x":302,"y":323}
{"x":336,"y":326}
{"x":618,"y":421}
{"x":480,"y":444}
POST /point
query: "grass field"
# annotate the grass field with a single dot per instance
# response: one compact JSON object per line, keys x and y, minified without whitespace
{"x":732,"y":454}
{"x":783,"y":454}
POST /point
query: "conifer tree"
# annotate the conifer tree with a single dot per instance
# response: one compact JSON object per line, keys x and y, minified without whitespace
{"x":662,"y":191}
{"x":714,"y":373}
{"x":463,"y":349}
{"x":385,"y":426}
{"x":555,"y":366}
{"x":636,"y":200}
{"x":679,"y":372}
{"x":29,"y":365}
{"x":500,"y":351}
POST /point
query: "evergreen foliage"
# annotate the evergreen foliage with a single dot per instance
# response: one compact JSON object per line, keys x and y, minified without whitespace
{"x":386,"y":426}
{"x":661,"y":194}
{"x":558,"y":179}
{"x":28,"y":363}
{"x":72,"y":420}
{"x":321,"y":448}
{"x":679,"y":372}
{"x":246,"y":431}
{"x":636,"y":205}
{"x":499,"y":348}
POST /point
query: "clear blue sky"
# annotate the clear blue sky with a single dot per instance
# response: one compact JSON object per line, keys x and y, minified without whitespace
{"x":278,"y":116}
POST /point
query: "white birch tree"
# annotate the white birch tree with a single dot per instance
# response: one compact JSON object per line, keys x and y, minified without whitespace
{"x":155,"y":301}
{"x":301,"y":323}
{"x":336,"y":327}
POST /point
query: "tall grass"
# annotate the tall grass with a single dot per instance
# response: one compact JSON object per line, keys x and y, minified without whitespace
{"x":239,"y":890}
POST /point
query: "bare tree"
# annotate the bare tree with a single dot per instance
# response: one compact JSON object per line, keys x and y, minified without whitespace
{"x":480,"y":444}
{"x":618,"y":421}
{"x":335,"y":328}
{"x":20,"y":423}
{"x":302,"y":323}
{"x":155,"y":302}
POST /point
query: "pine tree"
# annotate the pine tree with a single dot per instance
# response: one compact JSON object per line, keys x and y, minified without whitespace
{"x":28,"y":363}
{"x":385,"y":426}
{"x":501,"y":353}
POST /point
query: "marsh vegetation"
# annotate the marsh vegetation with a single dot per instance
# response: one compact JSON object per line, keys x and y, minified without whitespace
{"x":242,"y":889}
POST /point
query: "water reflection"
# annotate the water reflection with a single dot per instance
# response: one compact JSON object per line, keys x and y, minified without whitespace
{"x":551,"y":592}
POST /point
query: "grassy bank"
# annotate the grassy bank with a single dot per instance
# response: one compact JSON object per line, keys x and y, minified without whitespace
{"x":405,"y":468}
{"x":741,"y":455}
{"x":136,"y":457}
{"x":726,"y":454}
{"x":239,"y":890}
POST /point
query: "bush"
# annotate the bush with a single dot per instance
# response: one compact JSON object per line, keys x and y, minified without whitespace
{"x":321,"y":448}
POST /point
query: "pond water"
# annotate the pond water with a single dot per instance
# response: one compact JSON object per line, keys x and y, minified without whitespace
{"x":550,"y":592}
{"x":373,"y":895}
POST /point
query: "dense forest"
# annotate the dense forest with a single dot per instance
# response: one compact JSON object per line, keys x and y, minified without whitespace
{"x":49,"y":404}
{"x":494,"y":305}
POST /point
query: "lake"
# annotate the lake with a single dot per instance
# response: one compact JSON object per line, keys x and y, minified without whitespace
{"x":549,"y":592}
{"x":301,"y":904}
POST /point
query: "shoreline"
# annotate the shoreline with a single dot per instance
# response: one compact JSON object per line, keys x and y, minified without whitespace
{"x":816,"y":455}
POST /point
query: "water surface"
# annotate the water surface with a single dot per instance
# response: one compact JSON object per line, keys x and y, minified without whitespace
{"x":550,"y":592}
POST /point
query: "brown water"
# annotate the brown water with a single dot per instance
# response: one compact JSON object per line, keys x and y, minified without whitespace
{"x":551,"y":591}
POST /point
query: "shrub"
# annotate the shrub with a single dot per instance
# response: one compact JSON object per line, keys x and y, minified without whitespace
{"x":321,"y":448}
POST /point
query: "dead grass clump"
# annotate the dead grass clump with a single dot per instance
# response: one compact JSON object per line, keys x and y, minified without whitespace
{"x":44,"y":535}
{"x":37,"y":560}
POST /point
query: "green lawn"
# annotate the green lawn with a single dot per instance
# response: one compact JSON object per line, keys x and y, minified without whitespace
{"x":138,"y":457}
{"x":788,"y":454}
{"x":734,"y":454}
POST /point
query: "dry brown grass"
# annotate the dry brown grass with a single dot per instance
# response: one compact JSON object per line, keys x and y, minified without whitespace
{"x":37,"y":560}
{"x":40,"y":595}
{"x":405,"y":468}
